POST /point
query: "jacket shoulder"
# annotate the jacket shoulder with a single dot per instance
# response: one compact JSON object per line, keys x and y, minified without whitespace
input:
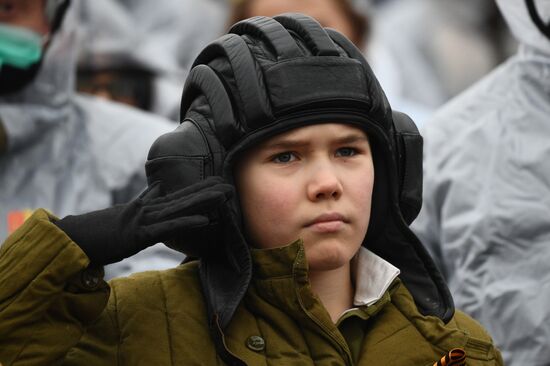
{"x":162,"y":311}
{"x":181,"y":283}
{"x":152,"y":318}
{"x":479,"y":344}
{"x":460,"y":332}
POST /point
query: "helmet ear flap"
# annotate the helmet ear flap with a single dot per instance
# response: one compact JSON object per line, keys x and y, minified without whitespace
{"x":409,"y":143}
{"x":193,"y":151}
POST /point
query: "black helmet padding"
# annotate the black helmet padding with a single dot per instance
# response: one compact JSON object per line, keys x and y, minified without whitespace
{"x":274,"y":33}
{"x":250,"y":91}
{"x":315,"y":36}
{"x":202,"y":80}
{"x":270,"y":75}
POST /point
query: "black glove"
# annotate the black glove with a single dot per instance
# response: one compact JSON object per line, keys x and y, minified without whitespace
{"x":115,"y":233}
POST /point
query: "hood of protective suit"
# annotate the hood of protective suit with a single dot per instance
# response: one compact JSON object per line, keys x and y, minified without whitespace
{"x":165,"y":43}
{"x":522,"y":25}
{"x":26,"y":113}
{"x":487,"y":194}
{"x":71,"y":153}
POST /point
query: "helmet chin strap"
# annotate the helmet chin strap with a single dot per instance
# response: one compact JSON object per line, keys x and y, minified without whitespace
{"x":535,"y":16}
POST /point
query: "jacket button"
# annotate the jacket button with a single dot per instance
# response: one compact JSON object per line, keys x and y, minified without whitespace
{"x":255,"y":343}
{"x":90,"y":278}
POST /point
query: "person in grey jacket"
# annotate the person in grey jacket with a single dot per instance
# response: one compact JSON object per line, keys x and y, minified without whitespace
{"x":486,"y":209}
{"x":64,"y":151}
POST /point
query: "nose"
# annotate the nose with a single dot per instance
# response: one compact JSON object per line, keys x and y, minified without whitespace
{"x":324,"y":183}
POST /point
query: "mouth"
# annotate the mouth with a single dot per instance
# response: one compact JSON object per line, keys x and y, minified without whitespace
{"x":327,"y":223}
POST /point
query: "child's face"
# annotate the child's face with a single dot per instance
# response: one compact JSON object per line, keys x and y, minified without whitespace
{"x":313,"y":183}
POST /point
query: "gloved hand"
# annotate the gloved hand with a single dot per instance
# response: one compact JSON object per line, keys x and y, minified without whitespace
{"x":110,"y":235}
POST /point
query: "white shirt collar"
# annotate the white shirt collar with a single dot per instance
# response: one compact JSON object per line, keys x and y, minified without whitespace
{"x":373,"y":277}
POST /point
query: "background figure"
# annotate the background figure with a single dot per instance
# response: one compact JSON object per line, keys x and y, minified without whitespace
{"x":139,"y":52}
{"x":427,"y":51}
{"x":487,"y":193}
{"x":64,"y":151}
{"x":338,"y":14}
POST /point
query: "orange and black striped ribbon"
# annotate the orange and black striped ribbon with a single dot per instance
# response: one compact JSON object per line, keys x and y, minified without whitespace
{"x":455,"y":357}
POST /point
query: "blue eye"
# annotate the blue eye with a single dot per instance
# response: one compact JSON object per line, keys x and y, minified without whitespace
{"x":284,"y":157}
{"x":346,"y":152}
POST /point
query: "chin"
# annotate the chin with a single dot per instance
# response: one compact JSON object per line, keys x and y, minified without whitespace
{"x":329,"y":255}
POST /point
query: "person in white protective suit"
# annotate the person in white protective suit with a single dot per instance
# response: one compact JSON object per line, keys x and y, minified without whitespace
{"x":121,"y":36}
{"x":486,"y":211}
{"x":430,"y":50}
{"x":60,"y":150}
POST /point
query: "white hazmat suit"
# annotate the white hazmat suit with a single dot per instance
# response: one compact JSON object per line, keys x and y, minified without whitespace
{"x":486,"y":212}
{"x":71,"y":153}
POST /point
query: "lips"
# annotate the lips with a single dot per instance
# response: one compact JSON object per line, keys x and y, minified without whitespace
{"x":327,"y":217}
{"x":327,"y":222}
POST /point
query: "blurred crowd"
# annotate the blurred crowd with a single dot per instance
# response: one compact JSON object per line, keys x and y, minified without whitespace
{"x":75,"y":131}
{"x":424,"y":52}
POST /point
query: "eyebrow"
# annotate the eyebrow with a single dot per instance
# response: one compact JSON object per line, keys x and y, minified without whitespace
{"x":291,"y":143}
{"x":349,"y":139}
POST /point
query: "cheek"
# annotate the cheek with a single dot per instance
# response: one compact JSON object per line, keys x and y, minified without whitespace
{"x":361,"y":189}
{"x":272,"y":200}
{"x":268,"y":206}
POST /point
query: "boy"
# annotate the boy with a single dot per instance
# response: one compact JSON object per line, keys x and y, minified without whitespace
{"x":290,"y":115}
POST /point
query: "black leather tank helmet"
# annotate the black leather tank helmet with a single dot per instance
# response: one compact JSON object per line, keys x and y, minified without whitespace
{"x":270,"y":75}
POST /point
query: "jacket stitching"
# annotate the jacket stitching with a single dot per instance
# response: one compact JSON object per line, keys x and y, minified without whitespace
{"x":168,"y":332}
{"x":117,"y":326}
{"x":31,"y":339}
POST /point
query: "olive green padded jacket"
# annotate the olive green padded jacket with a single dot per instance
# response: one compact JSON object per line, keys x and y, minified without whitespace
{"x":54,"y":309}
